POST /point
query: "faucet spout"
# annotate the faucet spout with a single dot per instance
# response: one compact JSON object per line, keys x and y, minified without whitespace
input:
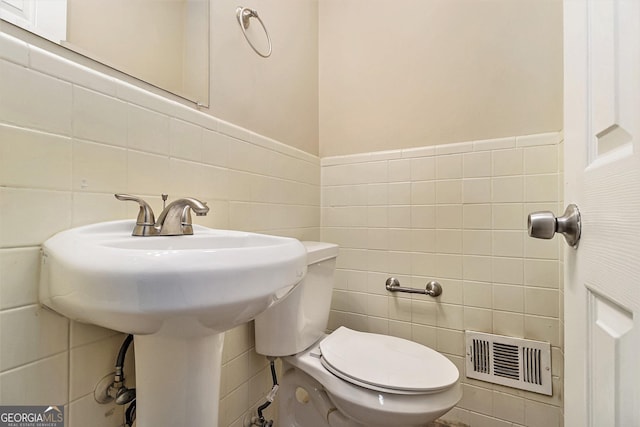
{"x":175,"y":219}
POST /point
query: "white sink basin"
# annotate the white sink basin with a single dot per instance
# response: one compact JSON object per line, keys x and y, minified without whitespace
{"x":177,"y":295}
{"x":212,"y":280}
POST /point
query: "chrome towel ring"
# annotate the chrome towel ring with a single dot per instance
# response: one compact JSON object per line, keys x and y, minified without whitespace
{"x":244,"y":14}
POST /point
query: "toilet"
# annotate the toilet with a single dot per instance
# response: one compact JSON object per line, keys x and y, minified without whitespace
{"x":348,"y":378}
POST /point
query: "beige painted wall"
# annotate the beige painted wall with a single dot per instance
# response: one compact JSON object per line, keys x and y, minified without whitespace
{"x":408,"y":73}
{"x":351,"y":76}
{"x":277,"y":96}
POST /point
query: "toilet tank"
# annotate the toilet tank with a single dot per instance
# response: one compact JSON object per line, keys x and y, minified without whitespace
{"x":300,"y":319}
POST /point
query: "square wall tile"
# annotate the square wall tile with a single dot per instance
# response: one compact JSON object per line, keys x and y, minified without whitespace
{"x":423,"y":216}
{"x":425,"y":335}
{"x":377,"y":194}
{"x":477,"y":399}
{"x":400,"y":170}
{"x":399,"y":193}
{"x":508,"y":323}
{"x":509,"y":216}
{"x":541,"y":272}
{"x":99,"y":168}
{"x":477,"y":268}
{"x":477,"y":216}
{"x":508,"y":298}
{"x":542,"y":329}
{"x":450,"y":316}
{"x":541,"y":188}
{"x":399,"y":217}
{"x":99,"y":118}
{"x":449,"y":166}
{"x":541,"y":302}
{"x":454,"y":290}
{"x":147,"y":130}
{"x":508,"y":270}
{"x":541,"y":159}
{"x":19,"y":277}
{"x":215,"y":148}
{"x":422,"y":264}
{"x":478,"y":319}
{"x":508,"y":243}
{"x":34,"y":159}
{"x":401,"y":309}
{"x":477,"y":242}
{"x":478,"y":294}
{"x":423,"y":192}
{"x":448,"y":216}
{"x":185,"y":140}
{"x":249,"y":157}
{"x":30,"y":333}
{"x":449,"y":191}
{"x":449,"y":266}
{"x":152,"y":178}
{"x":13,"y":203}
{"x":477,"y":164}
{"x":449,"y":241}
{"x":508,"y":407}
{"x":184,"y":175}
{"x":90,"y":362}
{"x":34,"y":100}
{"x":400,"y":329}
{"x":44,"y":382}
{"x":508,"y":162}
{"x":450,"y":341}
{"x":423,"y":168}
{"x":507,"y":189}
{"x":476,"y":190}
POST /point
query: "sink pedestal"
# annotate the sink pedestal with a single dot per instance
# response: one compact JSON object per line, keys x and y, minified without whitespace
{"x":178,"y":380}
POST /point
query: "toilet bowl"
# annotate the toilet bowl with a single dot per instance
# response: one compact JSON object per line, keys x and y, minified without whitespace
{"x":348,"y":378}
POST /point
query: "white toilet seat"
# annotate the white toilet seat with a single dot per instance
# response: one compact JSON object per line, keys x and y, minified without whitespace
{"x":386,"y":363}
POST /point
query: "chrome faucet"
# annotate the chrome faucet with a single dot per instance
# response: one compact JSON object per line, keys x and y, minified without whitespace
{"x":175,"y":219}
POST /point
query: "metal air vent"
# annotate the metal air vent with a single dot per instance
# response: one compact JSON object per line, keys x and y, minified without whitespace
{"x":513,"y":362}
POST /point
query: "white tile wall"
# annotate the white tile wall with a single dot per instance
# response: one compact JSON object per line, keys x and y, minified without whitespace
{"x":70,"y":137}
{"x":457,"y":214}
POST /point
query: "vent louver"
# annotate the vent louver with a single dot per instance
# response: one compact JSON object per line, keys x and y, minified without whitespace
{"x":513,"y":362}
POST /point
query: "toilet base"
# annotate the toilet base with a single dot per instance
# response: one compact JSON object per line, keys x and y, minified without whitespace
{"x":302,"y":402}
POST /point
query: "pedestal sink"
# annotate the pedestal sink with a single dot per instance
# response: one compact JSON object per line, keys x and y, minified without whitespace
{"x":177,"y":295}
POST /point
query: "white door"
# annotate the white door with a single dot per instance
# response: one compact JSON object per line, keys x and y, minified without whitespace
{"x":602,"y":172}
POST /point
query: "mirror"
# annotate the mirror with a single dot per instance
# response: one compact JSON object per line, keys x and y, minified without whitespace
{"x":163,"y":42}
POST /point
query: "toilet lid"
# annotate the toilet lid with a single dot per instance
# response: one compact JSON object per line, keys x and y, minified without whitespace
{"x":386,"y":363}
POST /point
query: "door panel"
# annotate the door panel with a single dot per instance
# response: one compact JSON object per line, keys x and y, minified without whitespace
{"x":602,"y":170}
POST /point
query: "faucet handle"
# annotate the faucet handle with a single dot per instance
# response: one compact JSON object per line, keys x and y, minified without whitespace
{"x":146,"y":220}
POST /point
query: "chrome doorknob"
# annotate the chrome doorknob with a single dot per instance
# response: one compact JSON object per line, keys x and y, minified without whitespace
{"x":544,"y":225}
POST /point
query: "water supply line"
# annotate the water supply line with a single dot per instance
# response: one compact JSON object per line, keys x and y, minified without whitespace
{"x":118,"y":390}
{"x":260,"y":421}
{"x":123,"y":395}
